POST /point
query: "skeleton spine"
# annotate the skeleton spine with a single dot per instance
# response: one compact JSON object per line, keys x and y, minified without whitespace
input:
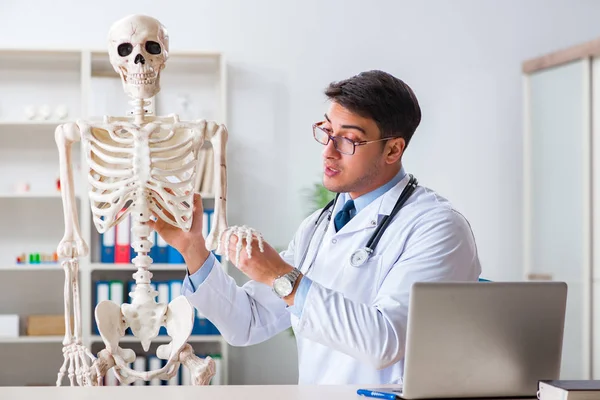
{"x":140,"y":232}
{"x":139,"y":112}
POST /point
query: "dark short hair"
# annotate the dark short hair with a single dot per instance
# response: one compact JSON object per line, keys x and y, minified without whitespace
{"x":377,"y":95}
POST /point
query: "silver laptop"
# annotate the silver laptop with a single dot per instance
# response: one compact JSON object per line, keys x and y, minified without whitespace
{"x":484,"y":339}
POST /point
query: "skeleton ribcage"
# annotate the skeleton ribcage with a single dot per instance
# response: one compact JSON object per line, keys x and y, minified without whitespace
{"x":155,"y":165}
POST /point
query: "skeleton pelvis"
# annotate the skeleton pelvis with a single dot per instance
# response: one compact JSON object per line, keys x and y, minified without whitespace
{"x":145,"y":317}
{"x":145,"y":320}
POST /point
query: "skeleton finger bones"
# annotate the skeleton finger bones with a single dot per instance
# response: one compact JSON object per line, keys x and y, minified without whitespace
{"x":243,"y":234}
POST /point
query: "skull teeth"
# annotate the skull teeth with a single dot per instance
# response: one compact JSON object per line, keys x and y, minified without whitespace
{"x":141,"y":78}
{"x":141,"y":82}
{"x":142,"y":75}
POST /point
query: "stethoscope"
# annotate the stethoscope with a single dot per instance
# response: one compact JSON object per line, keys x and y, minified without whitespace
{"x":360,"y":256}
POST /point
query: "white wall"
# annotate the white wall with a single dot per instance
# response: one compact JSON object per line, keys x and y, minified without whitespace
{"x":462,"y":57}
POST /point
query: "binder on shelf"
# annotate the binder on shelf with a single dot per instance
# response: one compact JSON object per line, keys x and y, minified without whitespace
{"x":123,"y":242}
{"x":176,"y":287}
{"x":216,"y":380}
{"x":202,"y":325}
{"x":102,"y":293}
{"x":163,"y":297}
{"x":130,"y":289}
{"x":198,"y":323}
{"x":162,"y":255}
{"x":214,"y":330}
{"x":154,"y":249}
{"x":153,"y":364}
{"x":174,"y":256}
{"x":206,"y":222}
{"x":139,"y":364}
{"x":186,"y":376}
{"x":111,"y":378}
{"x":176,"y":379}
{"x":116,"y":291}
{"x":107,"y":246}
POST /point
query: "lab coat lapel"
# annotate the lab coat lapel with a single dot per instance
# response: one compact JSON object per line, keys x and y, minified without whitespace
{"x":370,"y":216}
{"x":390,"y":198}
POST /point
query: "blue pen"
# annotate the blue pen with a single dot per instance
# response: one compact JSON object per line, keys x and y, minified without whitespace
{"x":377,"y":394}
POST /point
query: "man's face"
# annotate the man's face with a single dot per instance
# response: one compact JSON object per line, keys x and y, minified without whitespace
{"x":357,"y":173}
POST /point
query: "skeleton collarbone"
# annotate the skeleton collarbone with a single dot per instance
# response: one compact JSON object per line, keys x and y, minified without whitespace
{"x":141,"y":168}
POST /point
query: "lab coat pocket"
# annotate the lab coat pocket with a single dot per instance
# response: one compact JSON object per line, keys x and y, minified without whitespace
{"x":360,"y":283}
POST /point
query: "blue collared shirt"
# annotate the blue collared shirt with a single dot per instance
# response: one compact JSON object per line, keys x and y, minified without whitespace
{"x":193,"y":281}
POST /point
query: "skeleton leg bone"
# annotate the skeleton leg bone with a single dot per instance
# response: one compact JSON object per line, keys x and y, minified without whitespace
{"x":202,"y":371}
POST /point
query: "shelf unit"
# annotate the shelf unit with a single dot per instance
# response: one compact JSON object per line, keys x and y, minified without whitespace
{"x":45,"y":83}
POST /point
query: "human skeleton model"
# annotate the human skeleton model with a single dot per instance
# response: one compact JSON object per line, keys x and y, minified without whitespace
{"x":141,"y":165}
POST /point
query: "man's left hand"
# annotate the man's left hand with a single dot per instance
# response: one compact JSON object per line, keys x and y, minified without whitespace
{"x":262,"y":267}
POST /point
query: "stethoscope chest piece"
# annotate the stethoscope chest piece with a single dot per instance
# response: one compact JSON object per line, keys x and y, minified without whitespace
{"x":359,"y":257}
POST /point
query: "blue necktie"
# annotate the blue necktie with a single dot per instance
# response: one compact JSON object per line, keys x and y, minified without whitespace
{"x":343,"y":216}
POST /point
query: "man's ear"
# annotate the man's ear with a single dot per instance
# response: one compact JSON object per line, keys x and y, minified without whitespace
{"x":394,"y":150}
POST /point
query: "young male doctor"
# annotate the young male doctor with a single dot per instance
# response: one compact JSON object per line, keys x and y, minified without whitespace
{"x":349,"y":316}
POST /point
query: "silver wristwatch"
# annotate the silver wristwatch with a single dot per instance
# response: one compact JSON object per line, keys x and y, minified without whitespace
{"x":284,"y":285}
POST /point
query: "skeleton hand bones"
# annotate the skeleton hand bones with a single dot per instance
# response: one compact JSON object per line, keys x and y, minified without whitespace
{"x":260,"y":262}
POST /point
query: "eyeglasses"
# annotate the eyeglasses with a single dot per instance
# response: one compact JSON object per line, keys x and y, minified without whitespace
{"x":341,"y":144}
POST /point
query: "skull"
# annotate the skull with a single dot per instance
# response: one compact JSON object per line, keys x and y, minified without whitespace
{"x":138,"y":48}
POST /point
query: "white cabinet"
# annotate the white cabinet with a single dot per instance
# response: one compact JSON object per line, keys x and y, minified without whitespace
{"x":562,"y":192}
{"x":38,"y":91}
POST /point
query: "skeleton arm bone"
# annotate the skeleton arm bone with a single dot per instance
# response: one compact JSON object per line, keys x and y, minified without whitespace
{"x":218,"y":136}
{"x":65,"y":135}
{"x":71,"y":246}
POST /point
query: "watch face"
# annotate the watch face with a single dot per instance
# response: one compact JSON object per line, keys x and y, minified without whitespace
{"x":282,"y":287}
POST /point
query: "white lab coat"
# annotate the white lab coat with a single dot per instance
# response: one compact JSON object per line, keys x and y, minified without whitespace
{"x":353,"y":325}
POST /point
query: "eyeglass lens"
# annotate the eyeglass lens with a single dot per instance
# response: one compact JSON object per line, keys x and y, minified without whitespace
{"x":342,"y":144}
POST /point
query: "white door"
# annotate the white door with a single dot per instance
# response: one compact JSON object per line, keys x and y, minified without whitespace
{"x":557,"y":197}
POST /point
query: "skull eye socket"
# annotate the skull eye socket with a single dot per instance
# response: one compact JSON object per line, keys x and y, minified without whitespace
{"x":153,"y":47}
{"x":125,"y":49}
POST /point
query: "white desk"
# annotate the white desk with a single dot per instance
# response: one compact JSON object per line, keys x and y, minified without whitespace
{"x":245,"y":392}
